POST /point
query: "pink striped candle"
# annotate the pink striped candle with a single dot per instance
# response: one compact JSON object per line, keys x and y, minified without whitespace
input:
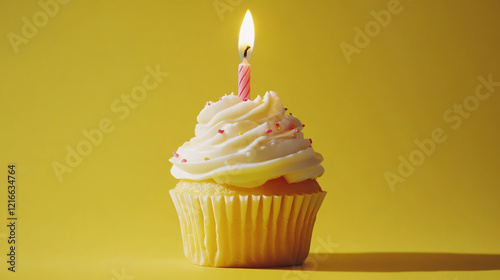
{"x":245,"y":49}
{"x":244,"y":78}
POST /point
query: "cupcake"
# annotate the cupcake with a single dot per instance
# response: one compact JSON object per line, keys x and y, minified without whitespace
{"x":247,"y":195}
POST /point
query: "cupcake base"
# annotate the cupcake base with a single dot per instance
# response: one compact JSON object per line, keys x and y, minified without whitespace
{"x":246,"y":230}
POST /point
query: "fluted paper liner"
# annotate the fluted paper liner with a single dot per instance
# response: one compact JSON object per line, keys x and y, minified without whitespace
{"x":247,"y":230}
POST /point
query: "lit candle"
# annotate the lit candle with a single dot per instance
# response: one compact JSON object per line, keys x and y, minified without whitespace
{"x":245,"y":49}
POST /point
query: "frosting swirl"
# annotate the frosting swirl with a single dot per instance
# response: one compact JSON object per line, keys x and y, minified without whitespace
{"x":247,"y":143}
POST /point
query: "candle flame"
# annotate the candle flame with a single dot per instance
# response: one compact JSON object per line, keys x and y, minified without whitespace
{"x":247,"y":36}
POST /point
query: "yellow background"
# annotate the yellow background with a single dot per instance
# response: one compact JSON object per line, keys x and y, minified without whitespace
{"x":112,"y":217}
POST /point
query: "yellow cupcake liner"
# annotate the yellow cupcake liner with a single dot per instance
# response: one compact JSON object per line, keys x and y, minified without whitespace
{"x":246,"y":230}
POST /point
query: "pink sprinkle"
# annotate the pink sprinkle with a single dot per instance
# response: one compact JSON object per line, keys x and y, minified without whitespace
{"x":297,"y":130}
{"x":303,"y":125}
{"x":310,"y":140}
{"x":176,"y":154}
{"x":277,"y":124}
{"x":221,"y":131}
{"x":286,"y":109}
{"x":269,"y":131}
{"x":208,"y":103}
{"x":184,"y":160}
{"x":220,"y":98}
{"x":246,"y":99}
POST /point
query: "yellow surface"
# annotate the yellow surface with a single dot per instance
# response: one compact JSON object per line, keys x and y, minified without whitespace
{"x":111,"y":217}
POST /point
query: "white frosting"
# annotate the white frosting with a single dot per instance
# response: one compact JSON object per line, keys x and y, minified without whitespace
{"x":246,"y":143}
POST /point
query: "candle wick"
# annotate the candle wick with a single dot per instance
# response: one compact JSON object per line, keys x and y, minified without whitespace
{"x":246,"y":50}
